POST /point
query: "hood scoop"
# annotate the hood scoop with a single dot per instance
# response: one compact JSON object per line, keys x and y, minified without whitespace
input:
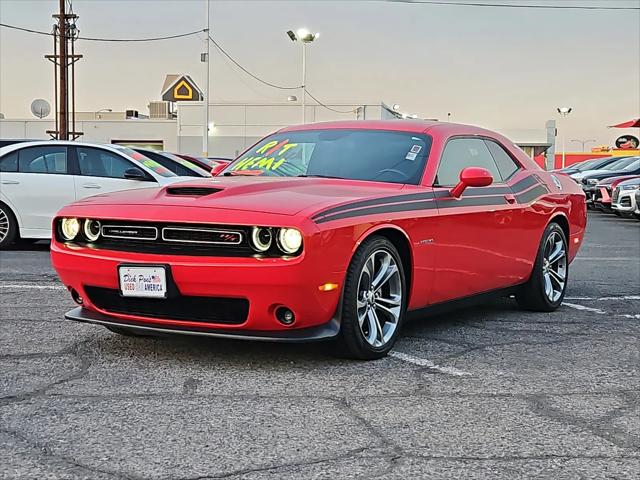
{"x":192,"y":191}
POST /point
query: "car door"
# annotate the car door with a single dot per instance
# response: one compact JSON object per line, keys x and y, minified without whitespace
{"x":474,"y":232}
{"x":40,"y":187}
{"x":102,"y":171}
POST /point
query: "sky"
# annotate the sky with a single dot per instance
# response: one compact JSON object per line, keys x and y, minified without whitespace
{"x":501,"y":68}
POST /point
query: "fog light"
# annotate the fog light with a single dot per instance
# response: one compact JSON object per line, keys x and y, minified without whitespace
{"x":70,"y":228}
{"x":285,"y":316}
{"x":76,"y":297}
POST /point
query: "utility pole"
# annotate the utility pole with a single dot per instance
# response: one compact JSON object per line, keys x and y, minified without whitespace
{"x":205,"y":129}
{"x":63,"y":38}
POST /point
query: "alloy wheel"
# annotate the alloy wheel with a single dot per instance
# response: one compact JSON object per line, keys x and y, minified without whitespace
{"x":379,"y":301}
{"x":4,"y":225}
{"x":554,"y":267}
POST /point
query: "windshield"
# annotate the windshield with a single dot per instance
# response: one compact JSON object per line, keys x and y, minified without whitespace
{"x":619,"y":164}
{"x":356,"y":154}
{"x":633,"y":165}
{"x":147,"y":162}
{"x":186,"y":164}
{"x":588,"y":164}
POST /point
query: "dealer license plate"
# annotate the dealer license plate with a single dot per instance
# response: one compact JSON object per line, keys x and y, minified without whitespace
{"x":147,"y":282}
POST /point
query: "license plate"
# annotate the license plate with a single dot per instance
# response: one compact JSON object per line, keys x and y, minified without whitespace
{"x":147,"y":282}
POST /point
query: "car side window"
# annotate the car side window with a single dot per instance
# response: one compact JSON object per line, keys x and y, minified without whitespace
{"x":506,"y":165}
{"x":94,"y":162}
{"x":49,"y":159}
{"x":9,"y":163}
{"x":460,"y":153}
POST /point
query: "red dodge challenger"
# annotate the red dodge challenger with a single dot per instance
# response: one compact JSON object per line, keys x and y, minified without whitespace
{"x":326,"y":231}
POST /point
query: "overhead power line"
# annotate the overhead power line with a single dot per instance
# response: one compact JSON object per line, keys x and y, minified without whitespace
{"x":255,"y":77}
{"x":95,"y":39}
{"x":514,"y":5}
{"x":328,"y":107}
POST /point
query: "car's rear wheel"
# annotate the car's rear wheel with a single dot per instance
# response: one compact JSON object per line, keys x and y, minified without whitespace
{"x":8,"y":226}
{"x":548,"y":283}
{"x":374,"y":302}
{"x":127,"y":332}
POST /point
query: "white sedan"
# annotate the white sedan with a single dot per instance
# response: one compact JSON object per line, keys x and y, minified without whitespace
{"x":624,"y":197}
{"x":39,"y":178}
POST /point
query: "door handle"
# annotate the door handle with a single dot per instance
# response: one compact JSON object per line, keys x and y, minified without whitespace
{"x":91,"y":185}
{"x":10,"y":182}
{"x":510,"y":198}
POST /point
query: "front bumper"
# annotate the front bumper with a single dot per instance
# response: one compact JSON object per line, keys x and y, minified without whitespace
{"x":311,"y":334}
{"x":266,"y":283}
{"x":625,"y":201}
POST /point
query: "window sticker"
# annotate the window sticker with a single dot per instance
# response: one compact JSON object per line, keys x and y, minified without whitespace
{"x":416,"y":149}
{"x":411,"y":156}
{"x":269,"y":156}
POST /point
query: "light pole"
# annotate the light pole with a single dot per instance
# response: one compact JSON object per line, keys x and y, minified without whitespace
{"x":563,"y":111}
{"x":583,"y":142}
{"x":303,"y":36}
{"x":100,"y":111}
{"x":205,"y":124}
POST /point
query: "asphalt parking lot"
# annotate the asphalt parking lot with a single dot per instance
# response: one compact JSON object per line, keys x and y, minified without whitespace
{"x":489,"y":392}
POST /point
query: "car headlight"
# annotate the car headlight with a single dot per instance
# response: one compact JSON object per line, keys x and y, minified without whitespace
{"x":289,"y":240}
{"x":70,"y":228}
{"x":91,"y":230}
{"x":261,"y":239}
{"x":630,"y":187}
{"x":592,"y":181}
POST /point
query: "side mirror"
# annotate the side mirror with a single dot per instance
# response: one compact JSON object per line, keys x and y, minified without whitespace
{"x":472,"y":177}
{"x":218,"y":168}
{"x":134,"y":174}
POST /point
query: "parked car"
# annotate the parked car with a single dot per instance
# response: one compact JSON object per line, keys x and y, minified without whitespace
{"x":636,"y":213}
{"x":326,"y":231}
{"x":209,"y":164}
{"x":39,"y":178}
{"x":625,"y":197}
{"x":12,"y":141}
{"x":591,"y":164}
{"x":611,"y":162}
{"x":626,"y":166}
{"x":604,"y":189}
{"x":179,"y":166}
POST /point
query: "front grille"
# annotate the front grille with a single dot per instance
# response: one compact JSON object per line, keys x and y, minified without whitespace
{"x":201,"y":235}
{"x":192,"y":191}
{"x":228,"y":311}
{"x":130,"y":232}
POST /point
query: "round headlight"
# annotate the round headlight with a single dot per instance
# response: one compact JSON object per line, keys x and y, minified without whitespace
{"x":70,"y":228}
{"x":91,"y":230}
{"x":261,"y":239}
{"x":289,"y":240}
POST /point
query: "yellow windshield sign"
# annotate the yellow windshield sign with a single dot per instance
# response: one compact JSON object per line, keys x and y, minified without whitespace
{"x":269,"y":156}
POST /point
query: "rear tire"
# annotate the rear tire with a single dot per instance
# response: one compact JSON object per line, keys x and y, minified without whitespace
{"x":8,"y":227}
{"x":547,"y":286}
{"x":127,"y":332}
{"x":374,"y":302}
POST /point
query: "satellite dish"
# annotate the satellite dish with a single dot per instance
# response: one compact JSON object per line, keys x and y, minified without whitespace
{"x":40,"y":108}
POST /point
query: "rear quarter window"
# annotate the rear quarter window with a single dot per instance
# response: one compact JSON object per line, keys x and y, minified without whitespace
{"x":9,"y":162}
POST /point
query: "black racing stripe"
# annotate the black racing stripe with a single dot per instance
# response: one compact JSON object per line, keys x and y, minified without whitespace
{"x":376,"y":201}
{"x":471,"y":202}
{"x":532,"y":194}
{"x":392,"y":208}
{"x":522,"y":185}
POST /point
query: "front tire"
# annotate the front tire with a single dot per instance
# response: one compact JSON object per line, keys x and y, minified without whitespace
{"x":8,"y":227}
{"x":547,"y":286}
{"x":374,"y":302}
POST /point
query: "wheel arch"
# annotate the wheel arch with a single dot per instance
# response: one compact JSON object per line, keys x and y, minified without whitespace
{"x":401,"y":241}
{"x":563,"y":221}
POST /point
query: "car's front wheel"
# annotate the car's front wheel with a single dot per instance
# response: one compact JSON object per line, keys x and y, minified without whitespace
{"x":8,"y":226}
{"x":374,"y":301}
{"x":548,"y":283}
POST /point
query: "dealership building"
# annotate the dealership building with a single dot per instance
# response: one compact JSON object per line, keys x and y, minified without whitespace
{"x":175,"y":123}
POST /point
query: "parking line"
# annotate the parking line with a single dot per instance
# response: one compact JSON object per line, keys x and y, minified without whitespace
{"x":422,"y":362}
{"x":32,"y":287}
{"x":582,"y":307}
{"x":623,"y":297}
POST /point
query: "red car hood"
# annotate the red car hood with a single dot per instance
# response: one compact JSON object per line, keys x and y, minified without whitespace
{"x":284,"y":196}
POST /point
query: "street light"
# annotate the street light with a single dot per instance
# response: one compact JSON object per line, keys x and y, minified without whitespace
{"x":303,"y":36}
{"x":583,"y":142}
{"x":100,"y":111}
{"x":563,"y":111}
